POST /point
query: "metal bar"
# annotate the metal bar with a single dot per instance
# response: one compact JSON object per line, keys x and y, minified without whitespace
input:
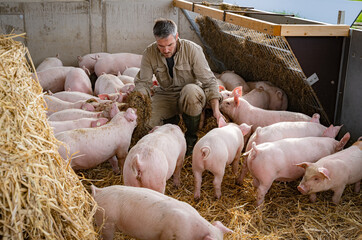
{"x":220,"y":65}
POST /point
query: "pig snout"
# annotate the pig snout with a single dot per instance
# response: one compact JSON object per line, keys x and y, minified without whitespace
{"x":302,"y":189}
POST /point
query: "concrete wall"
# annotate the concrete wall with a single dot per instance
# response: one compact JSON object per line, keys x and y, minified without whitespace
{"x":75,"y":27}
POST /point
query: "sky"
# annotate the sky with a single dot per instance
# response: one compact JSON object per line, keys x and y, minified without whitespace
{"x":319,"y":10}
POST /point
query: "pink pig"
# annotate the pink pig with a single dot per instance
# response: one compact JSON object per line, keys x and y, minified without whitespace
{"x":70,"y":96}
{"x":49,"y":62}
{"x":278,"y":98}
{"x":73,"y":113}
{"x":108,"y":83}
{"x":333,"y":172}
{"x":55,"y":104}
{"x":53,"y":79}
{"x":240,"y":111}
{"x":280,"y":130}
{"x":131,"y":71}
{"x":146,"y":214}
{"x":89,"y":60}
{"x":78,"y":80}
{"x":213,"y":152}
{"x":155,"y":158}
{"x":61,"y":126}
{"x":117,"y":62}
{"x":232,"y":80}
{"x":92,"y":146}
{"x":277,"y":160}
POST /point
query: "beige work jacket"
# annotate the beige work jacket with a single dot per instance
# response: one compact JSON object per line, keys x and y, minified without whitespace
{"x":190,"y":67}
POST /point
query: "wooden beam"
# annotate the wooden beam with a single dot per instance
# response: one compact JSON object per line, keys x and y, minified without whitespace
{"x":255,"y":24}
{"x":274,"y":29}
{"x":314,"y":30}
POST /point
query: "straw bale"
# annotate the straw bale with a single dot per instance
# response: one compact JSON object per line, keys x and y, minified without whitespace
{"x":286,"y":215}
{"x":40,"y":198}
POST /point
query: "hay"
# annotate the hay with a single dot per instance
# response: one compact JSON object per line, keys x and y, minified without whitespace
{"x":286,"y":215}
{"x":39,"y":197}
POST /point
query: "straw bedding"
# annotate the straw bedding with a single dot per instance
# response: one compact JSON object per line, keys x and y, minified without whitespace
{"x":40,"y":198}
{"x":286,"y":214}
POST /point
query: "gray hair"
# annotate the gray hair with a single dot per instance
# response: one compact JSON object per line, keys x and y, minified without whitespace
{"x":164,"y":27}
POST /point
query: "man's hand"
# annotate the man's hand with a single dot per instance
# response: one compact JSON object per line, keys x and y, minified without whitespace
{"x":215,"y":109}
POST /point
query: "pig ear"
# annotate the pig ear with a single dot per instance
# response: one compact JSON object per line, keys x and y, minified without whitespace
{"x":324,"y":172}
{"x":79,"y":58}
{"x":114,"y":110}
{"x":220,"y":226}
{"x":95,"y":190}
{"x":245,"y":128}
{"x":279,"y":94}
{"x":238,"y":91}
{"x":303,"y":165}
{"x":315,"y":118}
{"x":222,"y":122}
{"x":343,"y":142}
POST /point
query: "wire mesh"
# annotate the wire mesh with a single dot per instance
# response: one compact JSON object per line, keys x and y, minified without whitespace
{"x":257,"y":56}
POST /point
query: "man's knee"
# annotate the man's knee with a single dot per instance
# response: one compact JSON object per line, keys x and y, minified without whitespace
{"x":192,"y":100}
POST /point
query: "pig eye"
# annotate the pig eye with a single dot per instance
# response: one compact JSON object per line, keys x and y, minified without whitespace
{"x":316,"y":179}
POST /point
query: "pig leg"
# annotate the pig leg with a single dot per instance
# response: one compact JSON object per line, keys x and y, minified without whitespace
{"x":114,"y":162}
{"x":177,"y":173}
{"x":244,"y":171}
{"x":357,"y":187}
{"x":235,"y":164}
{"x":337,"y":194}
{"x":263,"y":188}
{"x":198,"y":181}
{"x":108,"y":231}
{"x":218,"y":176}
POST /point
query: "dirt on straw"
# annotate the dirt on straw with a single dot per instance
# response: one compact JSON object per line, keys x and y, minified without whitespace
{"x":40,"y":198}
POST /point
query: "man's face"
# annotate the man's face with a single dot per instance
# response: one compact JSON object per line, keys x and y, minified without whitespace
{"x":167,"y":46}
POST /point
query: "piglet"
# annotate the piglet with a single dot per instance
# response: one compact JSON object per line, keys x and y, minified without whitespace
{"x":73,"y":113}
{"x":131,"y":71}
{"x":240,"y":111}
{"x":108,"y":83}
{"x":278,"y":98}
{"x":116,"y":62}
{"x":61,"y":126}
{"x":146,"y":214}
{"x":277,"y":160}
{"x":53,"y":79}
{"x":232,"y":80}
{"x":213,"y":152}
{"x":89,"y":60}
{"x":92,"y":146}
{"x":78,"y":80}
{"x":70,"y":96}
{"x":280,"y":130}
{"x":155,"y":158}
{"x":55,"y":104}
{"x":49,"y":62}
{"x":333,"y":172}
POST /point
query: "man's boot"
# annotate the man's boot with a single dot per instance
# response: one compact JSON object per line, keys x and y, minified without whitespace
{"x":192,"y":126}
